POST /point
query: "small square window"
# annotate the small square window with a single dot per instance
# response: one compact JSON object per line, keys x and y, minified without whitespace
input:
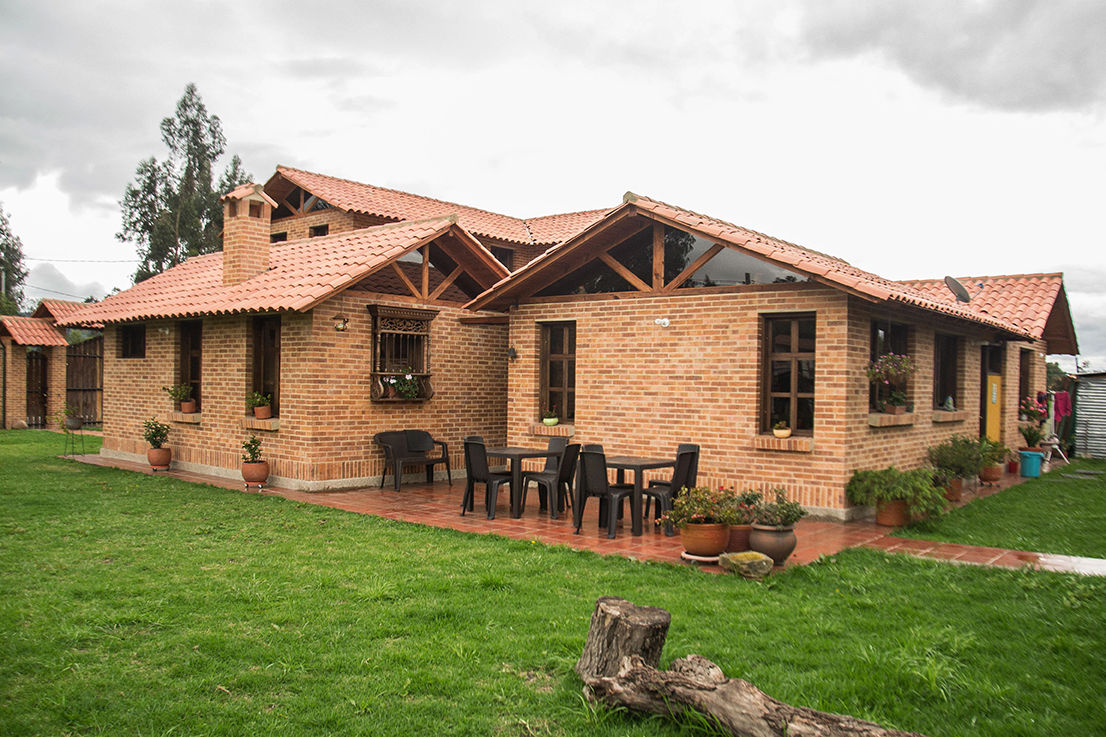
{"x":278,"y":237}
{"x":318,"y":230}
{"x":132,"y":341}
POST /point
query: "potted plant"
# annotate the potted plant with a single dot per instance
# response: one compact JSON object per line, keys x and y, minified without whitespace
{"x":781,"y":429}
{"x":898,"y":496}
{"x":738,"y":513}
{"x":773,"y":531}
{"x":254,"y":470}
{"x":407,"y":384}
{"x":156,"y":433}
{"x":182,"y":393}
{"x":72,"y":419}
{"x":260,"y":404}
{"x":991,"y":454}
{"x":954,"y":460}
{"x":698,"y":513}
{"x":549,"y":416}
{"x":889,"y":373}
{"x":1032,"y":434}
{"x":1030,"y":410}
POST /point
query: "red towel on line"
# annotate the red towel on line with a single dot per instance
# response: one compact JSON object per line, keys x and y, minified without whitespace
{"x":1063,"y":405}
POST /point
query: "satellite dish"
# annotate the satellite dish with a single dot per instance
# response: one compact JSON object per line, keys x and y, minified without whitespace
{"x":958,"y":289}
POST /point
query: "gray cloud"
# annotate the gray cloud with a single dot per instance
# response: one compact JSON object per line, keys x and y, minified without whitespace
{"x":1017,"y":55}
{"x":45,"y":282}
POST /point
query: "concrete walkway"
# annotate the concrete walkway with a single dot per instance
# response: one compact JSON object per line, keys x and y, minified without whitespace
{"x":438,"y":505}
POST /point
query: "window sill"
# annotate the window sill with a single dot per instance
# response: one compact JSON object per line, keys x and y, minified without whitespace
{"x":188,"y":418}
{"x":883,"y":419}
{"x":561,"y":430}
{"x":793,"y":444}
{"x":252,"y":423}
{"x":940,"y":415}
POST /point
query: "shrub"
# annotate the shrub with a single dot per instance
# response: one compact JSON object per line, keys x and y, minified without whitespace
{"x":179,"y":392}
{"x":740,"y":508}
{"x":1032,"y":435}
{"x":956,"y":458}
{"x":698,"y":505}
{"x":779,"y":513}
{"x":252,"y":448}
{"x":257,"y":399}
{"x":916,"y":488}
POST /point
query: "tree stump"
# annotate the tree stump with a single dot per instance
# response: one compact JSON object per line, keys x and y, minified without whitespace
{"x":620,"y":628}
{"x":693,"y":683}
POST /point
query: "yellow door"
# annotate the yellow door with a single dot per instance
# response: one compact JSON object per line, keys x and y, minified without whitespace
{"x":992,"y":420}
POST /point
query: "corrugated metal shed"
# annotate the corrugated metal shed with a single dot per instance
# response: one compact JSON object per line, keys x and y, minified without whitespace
{"x":1090,"y":415}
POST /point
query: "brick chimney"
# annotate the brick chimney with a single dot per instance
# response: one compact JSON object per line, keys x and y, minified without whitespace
{"x":246,"y":214}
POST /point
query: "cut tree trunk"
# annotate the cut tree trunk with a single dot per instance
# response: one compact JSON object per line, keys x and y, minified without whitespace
{"x":693,"y":683}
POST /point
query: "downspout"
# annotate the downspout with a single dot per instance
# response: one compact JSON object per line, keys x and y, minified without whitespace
{"x":3,"y":385}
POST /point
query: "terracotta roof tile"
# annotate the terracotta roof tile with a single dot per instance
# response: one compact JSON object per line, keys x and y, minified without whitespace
{"x":301,"y":273}
{"x":64,"y":309}
{"x":32,"y":330}
{"x":828,"y":269}
{"x":1025,"y":300}
{"x":353,"y":196}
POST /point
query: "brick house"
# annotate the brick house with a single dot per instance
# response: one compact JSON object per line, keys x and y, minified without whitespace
{"x":40,"y":372}
{"x":644,"y":324}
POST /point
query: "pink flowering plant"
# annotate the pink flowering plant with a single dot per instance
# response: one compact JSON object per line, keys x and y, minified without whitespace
{"x":891,"y":368}
{"x":741,"y":507}
{"x":1032,"y":410}
{"x":698,"y":505}
{"x":407,"y":384}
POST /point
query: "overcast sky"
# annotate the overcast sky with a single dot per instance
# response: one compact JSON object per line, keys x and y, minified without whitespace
{"x":913,"y":140}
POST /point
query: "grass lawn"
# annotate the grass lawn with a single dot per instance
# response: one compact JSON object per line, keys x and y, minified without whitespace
{"x":136,"y":605}
{"x":1052,"y":514}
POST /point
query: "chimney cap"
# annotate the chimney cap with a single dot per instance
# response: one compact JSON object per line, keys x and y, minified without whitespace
{"x":249,"y":191}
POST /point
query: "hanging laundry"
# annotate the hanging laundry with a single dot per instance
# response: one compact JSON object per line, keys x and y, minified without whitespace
{"x":1063,"y":405}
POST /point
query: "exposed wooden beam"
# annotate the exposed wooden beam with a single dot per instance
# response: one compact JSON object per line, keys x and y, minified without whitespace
{"x":695,"y":266}
{"x":602,"y":242}
{"x":625,"y":273}
{"x":410,"y":284}
{"x":446,"y":282}
{"x":425,"y":251}
{"x":658,"y":256}
{"x":481,"y":320}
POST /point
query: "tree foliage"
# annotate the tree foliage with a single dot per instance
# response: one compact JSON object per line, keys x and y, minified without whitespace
{"x":11,"y":265}
{"x":171,"y":210}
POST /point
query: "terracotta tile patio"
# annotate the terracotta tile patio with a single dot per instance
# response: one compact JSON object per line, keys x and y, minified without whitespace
{"x":438,"y":505}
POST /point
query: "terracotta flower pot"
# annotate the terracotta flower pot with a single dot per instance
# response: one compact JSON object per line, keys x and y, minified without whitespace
{"x":991,"y":474}
{"x":895,"y":409}
{"x":954,"y":490}
{"x":776,"y":542}
{"x":255,"y":473}
{"x":159,"y":458}
{"x":705,"y":539}
{"x":739,"y":538}
{"x":188,"y":406}
{"x":892,"y":514}
{"x":263,"y":412}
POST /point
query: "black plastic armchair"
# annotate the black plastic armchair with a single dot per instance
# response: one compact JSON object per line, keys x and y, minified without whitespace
{"x":553,"y":482}
{"x":592,"y":481}
{"x":412,"y":448}
{"x":476,"y":463}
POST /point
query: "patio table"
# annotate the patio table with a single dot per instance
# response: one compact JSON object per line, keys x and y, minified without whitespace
{"x":639,"y":466}
{"x":516,"y":455}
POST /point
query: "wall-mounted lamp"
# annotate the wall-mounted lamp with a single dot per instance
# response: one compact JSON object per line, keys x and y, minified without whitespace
{"x":662,"y":321}
{"x":512,"y":353}
{"x":163,"y":330}
{"x":341,"y":324}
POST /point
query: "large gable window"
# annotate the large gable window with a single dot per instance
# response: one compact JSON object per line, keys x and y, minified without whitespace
{"x":787,"y":393}
{"x":401,"y":354}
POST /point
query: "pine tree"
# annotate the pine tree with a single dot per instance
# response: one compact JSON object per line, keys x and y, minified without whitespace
{"x":171,"y":210}
{"x":13,"y":274}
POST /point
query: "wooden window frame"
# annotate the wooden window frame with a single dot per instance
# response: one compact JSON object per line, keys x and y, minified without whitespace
{"x":191,"y":346}
{"x":132,"y":341}
{"x":262,"y":382}
{"x":407,"y":325}
{"x":793,"y":356}
{"x":942,"y":342}
{"x":896,"y":332}
{"x":568,"y":368}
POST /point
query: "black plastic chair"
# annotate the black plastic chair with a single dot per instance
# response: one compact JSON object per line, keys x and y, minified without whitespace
{"x":411,"y":448}
{"x":553,"y":482}
{"x":592,"y":481}
{"x":663,"y":492}
{"x":476,"y":463}
{"x":556,"y":444}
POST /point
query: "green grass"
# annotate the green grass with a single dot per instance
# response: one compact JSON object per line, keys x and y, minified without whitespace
{"x":1052,"y":514}
{"x":136,"y":605}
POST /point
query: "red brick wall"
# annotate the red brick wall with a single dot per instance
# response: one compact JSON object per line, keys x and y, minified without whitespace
{"x":326,"y":419}
{"x":15,"y":407}
{"x":642,"y":389}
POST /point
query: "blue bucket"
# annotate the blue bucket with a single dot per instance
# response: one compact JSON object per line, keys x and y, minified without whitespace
{"x":1031,"y":463}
